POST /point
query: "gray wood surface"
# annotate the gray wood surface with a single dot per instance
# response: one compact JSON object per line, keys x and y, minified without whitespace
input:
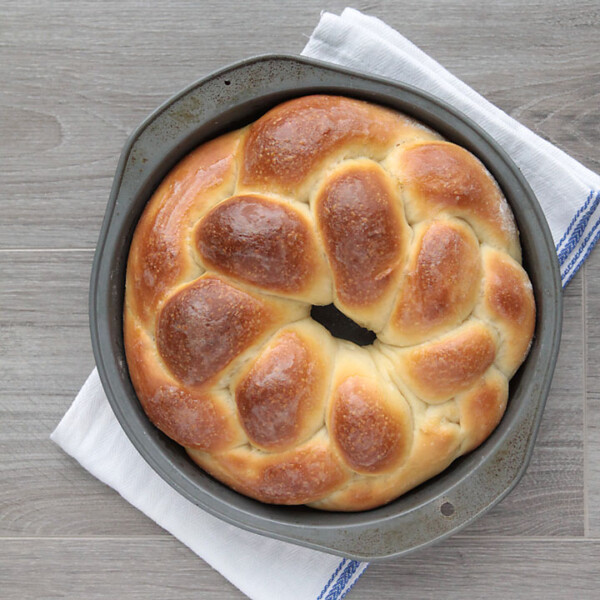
{"x":592,"y":406}
{"x":77,"y":78}
{"x":158,"y":567}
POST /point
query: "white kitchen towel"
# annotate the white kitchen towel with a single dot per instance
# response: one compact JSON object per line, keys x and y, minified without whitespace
{"x":267,"y":569}
{"x":263,"y":568}
{"x":568,"y":192}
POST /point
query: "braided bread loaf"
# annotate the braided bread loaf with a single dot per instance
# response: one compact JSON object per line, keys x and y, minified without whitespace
{"x":326,"y":199}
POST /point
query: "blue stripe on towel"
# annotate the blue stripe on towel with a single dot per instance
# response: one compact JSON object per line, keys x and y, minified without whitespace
{"x":324,"y":590}
{"x":581,"y":249}
{"x":347,"y":590}
{"x":575,"y":237}
{"x":574,"y":220}
{"x":579,"y":229}
{"x":335,"y":593}
{"x":589,"y":249}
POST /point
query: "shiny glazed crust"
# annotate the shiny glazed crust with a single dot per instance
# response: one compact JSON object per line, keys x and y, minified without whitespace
{"x":326,"y":199}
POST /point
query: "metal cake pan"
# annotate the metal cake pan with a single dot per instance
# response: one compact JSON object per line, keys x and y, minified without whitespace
{"x":235,"y":96}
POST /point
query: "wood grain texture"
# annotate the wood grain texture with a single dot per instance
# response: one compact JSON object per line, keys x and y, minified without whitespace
{"x":592,"y":384}
{"x":79,"y":83}
{"x":77,"y":79}
{"x":494,"y":569}
{"x":44,"y":328}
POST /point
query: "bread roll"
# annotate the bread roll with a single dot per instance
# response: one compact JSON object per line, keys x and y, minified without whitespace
{"x":326,"y":200}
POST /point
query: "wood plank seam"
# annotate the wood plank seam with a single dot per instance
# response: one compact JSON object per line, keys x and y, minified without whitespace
{"x":586,"y":473}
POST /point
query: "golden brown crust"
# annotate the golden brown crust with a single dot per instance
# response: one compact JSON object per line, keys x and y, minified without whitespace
{"x":438,"y":370}
{"x":293,"y":140}
{"x":297,"y":476}
{"x":159,"y":256}
{"x":365,"y":236}
{"x":440,"y":285}
{"x":196,"y":418}
{"x":204,"y":326}
{"x":508,"y":304}
{"x":326,"y":199}
{"x":207,"y":324}
{"x":370,"y":437}
{"x":263,"y":242}
{"x":435,"y":444}
{"x":281,"y":396}
{"x":481,"y":408}
{"x":443,"y":178}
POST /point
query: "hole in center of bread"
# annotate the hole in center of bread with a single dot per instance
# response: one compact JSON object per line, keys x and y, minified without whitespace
{"x":340,"y":326}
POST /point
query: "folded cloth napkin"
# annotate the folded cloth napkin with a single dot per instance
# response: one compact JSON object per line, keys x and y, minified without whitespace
{"x":568,"y":192}
{"x":267,"y":569}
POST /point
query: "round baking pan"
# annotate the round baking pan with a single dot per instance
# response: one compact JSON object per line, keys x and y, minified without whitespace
{"x":235,"y":96}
